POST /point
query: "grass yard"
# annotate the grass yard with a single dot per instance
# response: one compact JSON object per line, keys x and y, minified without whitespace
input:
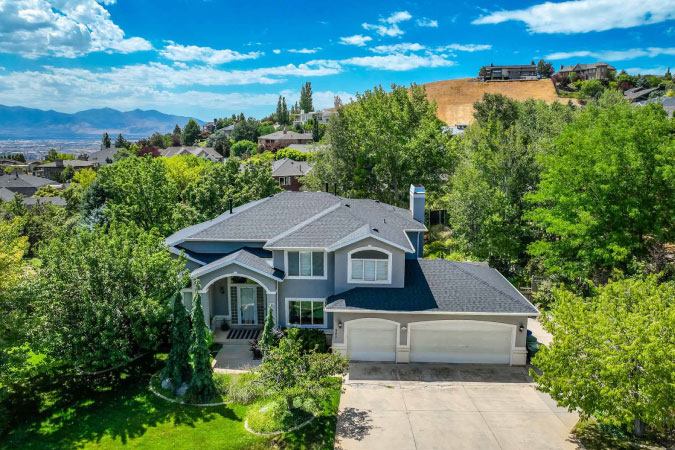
{"x":120,"y":411}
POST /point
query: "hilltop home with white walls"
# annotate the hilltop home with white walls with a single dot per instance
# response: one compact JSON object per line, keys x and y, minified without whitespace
{"x":353,"y":268}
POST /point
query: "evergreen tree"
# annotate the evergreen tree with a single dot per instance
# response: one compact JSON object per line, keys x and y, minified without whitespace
{"x":306,"y":97}
{"x":201,"y":385}
{"x":316,"y":133}
{"x":156,"y":140}
{"x":120,"y":142}
{"x":267,"y":337}
{"x":284,"y":112}
{"x":106,"y":140}
{"x":241,"y":117}
{"x":178,"y":367}
{"x":191,"y":132}
{"x":280,"y":114}
{"x":176,"y":136}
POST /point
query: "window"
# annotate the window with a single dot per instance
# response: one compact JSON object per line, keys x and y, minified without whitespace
{"x":306,"y":312}
{"x":284,"y":181}
{"x":305,"y":264}
{"x":369,"y":266}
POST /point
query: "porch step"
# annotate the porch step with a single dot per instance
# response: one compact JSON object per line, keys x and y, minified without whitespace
{"x":243,"y":333}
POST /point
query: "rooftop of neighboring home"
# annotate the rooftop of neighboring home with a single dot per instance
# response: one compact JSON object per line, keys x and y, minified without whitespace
{"x":318,"y":220}
{"x":439,"y":285}
{"x":19,"y":179}
{"x":307,"y":148}
{"x":636,"y":94}
{"x":103,"y":156}
{"x":512,"y":66}
{"x":285,"y":135}
{"x":70,"y":162}
{"x":286,"y":167}
{"x":206,"y":152}
{"x":32,"y":201}
{"x":6,"y":195}
{"x":580,"y":66}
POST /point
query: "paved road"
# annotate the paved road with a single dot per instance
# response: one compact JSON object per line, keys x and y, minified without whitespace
{"x":424,"y":406}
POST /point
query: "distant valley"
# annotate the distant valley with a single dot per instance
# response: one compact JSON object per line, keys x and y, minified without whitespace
{"x":17,"y":122}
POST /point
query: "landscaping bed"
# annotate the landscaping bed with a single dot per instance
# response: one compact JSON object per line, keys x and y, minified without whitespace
{"x":595,"y":436}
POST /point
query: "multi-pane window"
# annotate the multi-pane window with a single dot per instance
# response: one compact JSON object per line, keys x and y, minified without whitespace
{"x":369,"y":265}
{"x":306,"y":312}
{"x":305,"y":264}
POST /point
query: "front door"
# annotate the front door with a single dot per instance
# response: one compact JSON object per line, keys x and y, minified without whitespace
{"x":247,"y":305}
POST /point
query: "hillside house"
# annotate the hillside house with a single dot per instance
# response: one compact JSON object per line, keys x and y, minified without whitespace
{"x":53,"y":170}
{"x":595,"y":71}
{"x":285,"y":138}
{"x":513,"y":72}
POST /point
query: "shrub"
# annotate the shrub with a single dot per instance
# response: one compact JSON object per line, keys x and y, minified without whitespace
{"x":309,"y":339}
{"x":244,"y":388}
{"x":243,"y":147}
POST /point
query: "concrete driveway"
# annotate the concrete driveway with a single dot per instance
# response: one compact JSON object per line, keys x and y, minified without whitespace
{"x":428,"y":406}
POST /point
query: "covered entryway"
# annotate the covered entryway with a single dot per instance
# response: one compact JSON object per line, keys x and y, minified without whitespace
{"x":371,"y":339}
{"x":461,"y":341}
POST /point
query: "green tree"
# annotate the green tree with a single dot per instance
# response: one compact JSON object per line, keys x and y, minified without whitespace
{"x":545,"y":69}
{"x":267,"y":339}
{"x":53,"y":155}
{"x":383,"y":142}
{"x":47,"y":191}
{"x":220,"y":142}
{"x":178,"y":367}
{"x":316,"y":131}
{"x":482,"y":71}
{"x":176,"y":136}
{"x":201,"y":384}
{"x":157,"y":140}
{"x":592,"y":89}
{"x":244,"y":147}
{"x":282,"y":111}
{"x":246,"y":130}
{"x":306,"y":97}
{"x":120,"y":142}
{"x":191,"y":133}
{"x":607,"y":189}
{"x":106,"y":140}
{"x":104,"y":295}
{"x":612,"y":356}
{"x":66,"y":174}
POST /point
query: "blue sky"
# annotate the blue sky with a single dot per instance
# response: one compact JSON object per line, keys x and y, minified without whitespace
{"x":211,"y":58}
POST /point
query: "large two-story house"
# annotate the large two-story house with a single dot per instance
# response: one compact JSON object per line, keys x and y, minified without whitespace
{"x":353,"y":268}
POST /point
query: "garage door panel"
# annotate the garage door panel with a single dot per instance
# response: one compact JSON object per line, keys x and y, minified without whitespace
{"x":372,"y":341}
{"x":461,"y":342}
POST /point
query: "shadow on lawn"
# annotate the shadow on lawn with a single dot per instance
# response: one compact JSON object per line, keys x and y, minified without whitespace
{"x":119,"y":405}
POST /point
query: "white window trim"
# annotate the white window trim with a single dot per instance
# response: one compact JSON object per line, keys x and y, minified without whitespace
{"x":238,"y":286}
{"x":293,"y":325}
{"x":350,"y":280}
{"x":303,"y":277}
{"x":285,"y":181}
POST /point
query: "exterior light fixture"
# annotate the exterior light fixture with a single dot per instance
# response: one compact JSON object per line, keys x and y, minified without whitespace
{"x":521,"y":328}
{"x":403,"y":328}
{"x":339,"y":324}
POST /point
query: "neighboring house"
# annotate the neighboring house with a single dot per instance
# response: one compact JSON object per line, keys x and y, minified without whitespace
{"x":210,"y":126}
{"x":104,"y":156}
{"x":516,"y":72}
{"x":286,"y":138}
{"x":229,"y":130}
{"x":459,"y":128}
{"x":202,"y":152}
{"x":7,"y":196}
{"x":322,"y":116}
{"x":595,"y":71}
{"x":639,"y":94}
{"x":352,"y":268}
{"x":53,"y":170}
{"x":307,"y":148}
{"x":286,"y":172}
{"x":19,"y":182}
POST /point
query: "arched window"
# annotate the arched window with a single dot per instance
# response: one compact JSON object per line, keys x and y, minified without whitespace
{"x":369,"y":265}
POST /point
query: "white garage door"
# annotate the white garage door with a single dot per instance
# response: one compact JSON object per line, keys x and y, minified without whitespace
{"x":371,"y":340}
{"x":461,"y":341}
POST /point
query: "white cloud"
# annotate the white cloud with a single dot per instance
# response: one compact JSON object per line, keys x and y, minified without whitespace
{"x":583,"y":16}
{"x":65,"y":28}
{"x":659,"y":70}
{"x":276,"y":51}
{"x":178,"y":52}
{"x":613,"y":55}
{"x":358,"y":39}
{"x":399,"y":62}
{"x":465,"y":47}
{"x":389,"y":26}
{"x":398,"y":48}
{"x":424,"y":22}
{"x":306,"y":51}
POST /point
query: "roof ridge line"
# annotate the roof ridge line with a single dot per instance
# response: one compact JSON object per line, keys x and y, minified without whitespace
{"x":456,"y":264}
{"x":303,"y":224}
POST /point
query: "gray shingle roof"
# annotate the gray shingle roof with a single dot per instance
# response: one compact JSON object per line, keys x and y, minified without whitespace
{"x":56,"y":201}
{"x":24,"y":180}
{"x":286,"y":167}
{"x":6,"y":195}
{"x":307,"y":148}
{"x":282,"y":135}
{"x":245,"y":258}
{"x":102,"y":156}
{"x":194,"y":150}
{"x":73,"y":163}
{"x":437,"y":285}
{"x":306,"y":219}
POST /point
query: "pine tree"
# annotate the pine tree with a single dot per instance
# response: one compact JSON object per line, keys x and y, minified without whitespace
{"x":284,"y":112}
{"x":178,"y":367}
{"x":306,"y":97}
{"x":201,"y":385}
{"x":280,"y":113}
{"x":267,"y":338}
{"x":106,"y":140}
{"x":175,"y":137}
{"x":120,"y":142}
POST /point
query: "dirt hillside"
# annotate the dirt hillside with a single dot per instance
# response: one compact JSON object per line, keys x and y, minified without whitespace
{"x":455,"y":98}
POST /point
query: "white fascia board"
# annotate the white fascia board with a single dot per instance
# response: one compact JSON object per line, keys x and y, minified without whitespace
{"x":378,"y":238}
{"x":205,"y":270}
{"x":447,"y":313}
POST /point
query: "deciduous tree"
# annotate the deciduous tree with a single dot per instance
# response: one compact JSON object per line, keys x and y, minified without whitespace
{"x":191,"y":133}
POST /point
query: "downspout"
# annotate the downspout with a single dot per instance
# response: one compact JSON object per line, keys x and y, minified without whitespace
{"x":277,"y":294}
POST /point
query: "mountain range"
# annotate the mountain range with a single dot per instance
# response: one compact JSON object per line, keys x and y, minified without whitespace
{"x":17,"y":122}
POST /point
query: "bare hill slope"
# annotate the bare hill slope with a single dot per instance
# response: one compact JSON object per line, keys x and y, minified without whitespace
{"x":455,"y":98}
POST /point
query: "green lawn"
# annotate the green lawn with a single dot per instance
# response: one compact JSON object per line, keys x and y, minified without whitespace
{"x":119,"y":410}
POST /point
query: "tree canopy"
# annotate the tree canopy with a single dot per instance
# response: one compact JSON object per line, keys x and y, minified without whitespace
{"x":191,"y":133}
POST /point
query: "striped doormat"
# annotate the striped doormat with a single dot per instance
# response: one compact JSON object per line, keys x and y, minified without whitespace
{"x":243,"y":333}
